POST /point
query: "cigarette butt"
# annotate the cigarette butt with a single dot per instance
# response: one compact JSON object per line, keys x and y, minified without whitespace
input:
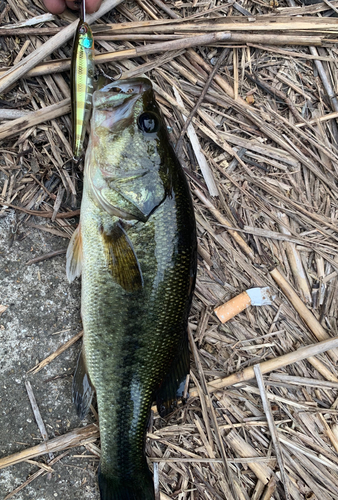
{"x":233,"y":307}
{"x":253,"y":297}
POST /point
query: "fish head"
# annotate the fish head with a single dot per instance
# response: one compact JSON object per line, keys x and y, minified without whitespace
{"x":84,"y":35}
{"x":130,"y":155}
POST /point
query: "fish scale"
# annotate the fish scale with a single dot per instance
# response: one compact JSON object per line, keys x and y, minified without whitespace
{"x":138,"y":275}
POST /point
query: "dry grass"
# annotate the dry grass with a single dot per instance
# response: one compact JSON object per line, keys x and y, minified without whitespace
{"x":261,"y":159}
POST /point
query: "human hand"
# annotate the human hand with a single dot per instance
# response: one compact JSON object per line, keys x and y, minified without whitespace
{"x":58,"y":6}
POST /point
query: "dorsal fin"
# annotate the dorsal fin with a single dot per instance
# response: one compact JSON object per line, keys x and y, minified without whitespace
{"x":74,"y":255}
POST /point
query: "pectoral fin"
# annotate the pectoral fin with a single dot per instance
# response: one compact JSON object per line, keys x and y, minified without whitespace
{"x":74,"y":255}
{"x":83,"y":389}
{"x":173,"y":384}
{"x":122,"y":260}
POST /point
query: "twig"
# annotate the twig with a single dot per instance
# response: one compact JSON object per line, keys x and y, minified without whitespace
{"x":200,"y":99}
{"x":46,"y":256}
{"x":37,"y":414}
{"x":55,"y":354}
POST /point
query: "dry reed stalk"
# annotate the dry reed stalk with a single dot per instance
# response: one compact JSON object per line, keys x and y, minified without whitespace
{"x":295,"y":261}
{"x":202,"y":162}
{"x":55,"y":354}
{"x":308,"y":478}
{"x":259,"y":23}
{"x":302,"y":310}
{"x":34,"y":118}
{"x":231,"y":490}
{"x":332,"y":437}
{"x":11,"y":114}
{"x":273,"y":430}
{"x":200,"y":99}
{"x":60,"y":443}
{"x":244,"y":449}
{"x":26,"y":31}
{"x":237,"y":38}
{"x":326,"y":82}
{"x":305,"y":451}
{"x":155,"y":48}
{"x":296,"y":10}
{"x":217,"y":214}
{"x":329,"y":116}
{"x":218,"y":78}
{"x":273,"y":364}
{"x":269,"y":490}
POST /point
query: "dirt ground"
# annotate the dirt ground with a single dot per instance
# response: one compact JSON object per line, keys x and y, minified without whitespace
{"x":43,"y":312}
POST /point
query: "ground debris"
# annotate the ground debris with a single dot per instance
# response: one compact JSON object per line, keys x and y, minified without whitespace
{"x":261,"y":157}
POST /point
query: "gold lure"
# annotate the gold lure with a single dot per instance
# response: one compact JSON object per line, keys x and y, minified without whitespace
{"x":82,"y":76}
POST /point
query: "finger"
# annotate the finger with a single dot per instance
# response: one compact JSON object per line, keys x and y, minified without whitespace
{"x":55,"y":6}
{"x":73,"y":4}
{"x":91,"y":5}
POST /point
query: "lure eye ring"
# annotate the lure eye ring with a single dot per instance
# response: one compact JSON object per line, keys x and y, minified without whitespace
{"x":148,"y":122}
{"x":83,"y":30}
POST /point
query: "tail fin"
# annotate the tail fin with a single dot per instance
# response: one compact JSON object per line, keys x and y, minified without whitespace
{"x":136,"y":488}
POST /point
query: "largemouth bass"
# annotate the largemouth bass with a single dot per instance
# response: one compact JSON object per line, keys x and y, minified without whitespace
{"x":82,"y":78}
{"x":136,"y":248}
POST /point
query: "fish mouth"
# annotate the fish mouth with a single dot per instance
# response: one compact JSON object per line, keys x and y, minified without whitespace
{"x":115,"y":93}
{"x":114,"y":105}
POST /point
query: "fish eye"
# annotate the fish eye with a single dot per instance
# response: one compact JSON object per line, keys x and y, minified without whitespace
{"x":83,"y":30}
{"x":148,"y":122}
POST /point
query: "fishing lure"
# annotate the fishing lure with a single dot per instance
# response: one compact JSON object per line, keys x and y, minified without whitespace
{"x":82,"y":77}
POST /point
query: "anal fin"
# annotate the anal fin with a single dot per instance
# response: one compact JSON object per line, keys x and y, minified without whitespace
{"x":83,"y":389}
{"x":173,"y":383}
{"x":122,"y":260}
